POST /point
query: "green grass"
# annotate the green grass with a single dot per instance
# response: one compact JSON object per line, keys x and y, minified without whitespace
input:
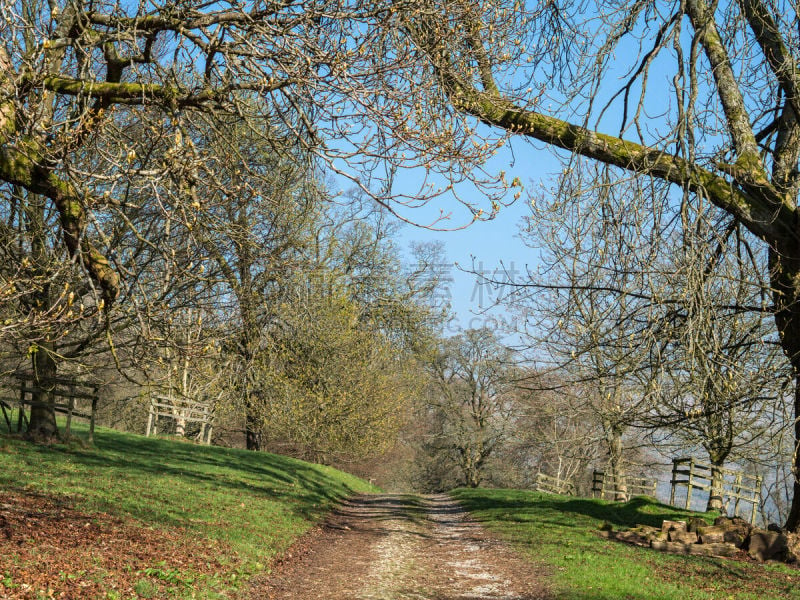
{"x":559,"y":534}
{"x":254,"y":504}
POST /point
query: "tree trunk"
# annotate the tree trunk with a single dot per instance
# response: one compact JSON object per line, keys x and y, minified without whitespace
{"x":252,"y":425}
{"x":473,"y":478}
{"x":717,"y":482}
{"x":253,"y":412}
{"x":470,"y":467}
{"x":247,"y":341}
{"x":42,"y":426}
{"x":793,"y":519}
{"x":785,"y":275}
{"x":615,"y":463}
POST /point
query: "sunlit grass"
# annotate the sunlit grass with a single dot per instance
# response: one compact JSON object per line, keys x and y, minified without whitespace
{"x":256,"y":504}
{"x":561,"y":534}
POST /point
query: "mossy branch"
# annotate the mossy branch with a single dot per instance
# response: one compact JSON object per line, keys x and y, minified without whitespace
{"x":733,"y":105}
{"x":778,"y":56}
{"x":18,"y":166}
{"x":148,"y":93}
{"x":764,"y":215}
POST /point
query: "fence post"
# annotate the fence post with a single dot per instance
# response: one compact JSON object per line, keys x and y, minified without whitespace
{"x":674,"y":481}
{"x":595,"y":489}
{"x":689,"y":486}
{"x":93,"y":416}
{"x":149,"y":419}
{"x":70,"y":408}
{"x":3,"y":406}
{"x":21,"y":413}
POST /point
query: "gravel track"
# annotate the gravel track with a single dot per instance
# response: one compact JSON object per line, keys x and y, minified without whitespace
{"x":401,"y":547}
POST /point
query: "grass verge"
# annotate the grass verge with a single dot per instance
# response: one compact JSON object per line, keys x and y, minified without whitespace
{"x":560,"y":534}
{"x":136,"y":517}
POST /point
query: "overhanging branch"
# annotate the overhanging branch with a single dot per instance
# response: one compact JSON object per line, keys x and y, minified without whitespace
{"x":150,"y":93}
{"x":770,"y":220}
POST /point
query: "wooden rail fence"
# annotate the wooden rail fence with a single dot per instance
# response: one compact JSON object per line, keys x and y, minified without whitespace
{"x":604,"y":484}
{"x":180,"y":409}
{"x":737,"y":487}
{"x":70,"y":397}
{"x":554,"y":485}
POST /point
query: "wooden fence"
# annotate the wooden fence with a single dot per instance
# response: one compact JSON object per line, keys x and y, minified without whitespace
{"x":554,"y":485}
{"x":737,"y":487}
{"x":180,"y":409}
{"x":70,"y":397}
{"x":604,"y":485}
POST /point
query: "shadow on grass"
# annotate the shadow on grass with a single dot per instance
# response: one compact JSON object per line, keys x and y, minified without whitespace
{"x":559,"y":532}
{"x":304,"y":488}
{"x":507,"y":505}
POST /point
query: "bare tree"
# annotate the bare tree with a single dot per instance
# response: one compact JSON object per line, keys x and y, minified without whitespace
{"x":661,"y":313}
{"x":188,"y":369}
{"x":471,"y":399}
{"x":105,"y":111}
{"x":722,"y":372}
{"x":556,"y":432}
{"x":55,"y":322}
{"x":91,"y":91}
{"x":728,"y":133}
{"x":261,"y":202}
{"x":590,"y":318}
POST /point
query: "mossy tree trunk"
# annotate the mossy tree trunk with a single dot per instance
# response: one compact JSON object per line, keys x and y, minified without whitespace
{"x":720,"y":431}
{"x":471,"y":462}
{"x":42,"y":424}
{"x":717,"y":485}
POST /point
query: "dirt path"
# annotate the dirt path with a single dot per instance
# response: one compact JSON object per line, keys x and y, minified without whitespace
{"x":386,"y":547}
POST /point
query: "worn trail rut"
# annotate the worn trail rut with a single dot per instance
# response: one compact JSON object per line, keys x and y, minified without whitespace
{"x":392,"y":547}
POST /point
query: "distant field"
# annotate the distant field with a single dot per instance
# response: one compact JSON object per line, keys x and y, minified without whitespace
{"x":137,"y":517}
{"x":560,"y":533}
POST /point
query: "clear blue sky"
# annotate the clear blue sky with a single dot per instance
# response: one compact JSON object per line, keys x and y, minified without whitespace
{"x":493,"y":247}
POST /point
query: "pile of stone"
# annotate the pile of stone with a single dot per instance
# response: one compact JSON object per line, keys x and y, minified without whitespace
{"x":727,"y":537}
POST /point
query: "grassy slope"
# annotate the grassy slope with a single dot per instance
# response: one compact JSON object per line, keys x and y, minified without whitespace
{"x":561,"y":534}
{"x":254,"y":504}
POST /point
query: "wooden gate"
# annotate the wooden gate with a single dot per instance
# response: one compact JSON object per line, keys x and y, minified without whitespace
{"x":554,"y":485}
{"x":603,"y":485}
